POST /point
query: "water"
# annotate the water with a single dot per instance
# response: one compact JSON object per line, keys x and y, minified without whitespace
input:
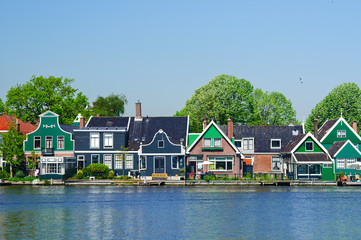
{"x":215,"y":212}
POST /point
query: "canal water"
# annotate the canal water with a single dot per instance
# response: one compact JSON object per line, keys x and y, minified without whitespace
{"x":214,"y":212}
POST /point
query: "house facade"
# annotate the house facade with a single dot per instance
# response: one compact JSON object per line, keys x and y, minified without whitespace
{"x":54,"y":144}
{"x":262,"y":145}
{"x":305,"y":157}
{"x":213,"y":151}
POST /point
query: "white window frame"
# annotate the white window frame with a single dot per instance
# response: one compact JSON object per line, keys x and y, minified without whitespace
{"x":80,"y":158}
{"x":276,"y":140}
{"x":47,"y":163}
{"x":47,"y":138}
{"x":105,"y":160}
{"x":246,"y":147}
{"x":108,"y":138}
{"x":215,"y":142}
{"x":160,"y":141}
{"x":274,"y":161}
{"x":145,"y":162}
{"x":350,"y":161}
{"x":176,"y":158}
{"x":39,"y":142}
{"x":91,"y":158}
{"x":205,"y":141}
{"x":226,"y":159}
{"x":118,"y":159}
{"x":341,"y":133}
{"x":59,"y":140}
{"x":239,"y":141}
{"x":92,"y":140}
{"x":340,"y":163}
{"x":311,"y":145}
{"x":129,"y":158}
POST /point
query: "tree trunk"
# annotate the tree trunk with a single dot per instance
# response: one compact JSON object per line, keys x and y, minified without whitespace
{"x":11,"y":170}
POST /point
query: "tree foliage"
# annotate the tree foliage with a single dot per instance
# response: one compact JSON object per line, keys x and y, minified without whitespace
{"x":112,"y":105}
{"x":40,"y":94}
{"x":227,"y":96}
{"x":272,"y":109}
{"x":224,"y":96}
{"x":12,"y":147}
{"x":345,"y":98}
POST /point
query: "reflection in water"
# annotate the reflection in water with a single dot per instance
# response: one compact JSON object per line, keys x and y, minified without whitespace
{"x":53,"y":212}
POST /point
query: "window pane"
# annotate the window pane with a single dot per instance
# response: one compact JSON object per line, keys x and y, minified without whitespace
{"x":94,"y":140}
{"x":302,"y":169}
{"x":60,"y":142}
{"x":37,"y":142}
{"x":108,"y":140}
{"x":108,"y":161}
{"x":276,"y":164}
{"x":218,"y":142}
{"x":207,"y":142}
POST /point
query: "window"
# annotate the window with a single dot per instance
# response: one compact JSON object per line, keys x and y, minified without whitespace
{"x":350,"y":161}
{"x":341,"y":133}
{"x":248,"y":144}
{"x":108,"y":160}
{"x":302,"y":169}
{"x":238,"y":143}
{"x":218,"y":142}
{"x":128,"y":161}
{"x":48,"y":142}
{"x":276,"y":164}
{"x":160,"y":144}
{"x":95,"y":158}
{"x":94,"y":140}
{"x":118,"y":162}
{"x":177,"y":162}
{"x":309,"y":146}
{"x":143,"y":162}
{"x":60,"y":142}
{"x":52,"y":165}
{"x":37,"y":142}
{"x":221,"y":163}
{"x":327,"y":165}
{"x":275,"y":143}
{"x":315,"y":169}
{"x":81,"y":161}
{"x":340,"y":163}
{"x":108,"y":140}
{"x":198,"y":159}
{"x":207,"y":142}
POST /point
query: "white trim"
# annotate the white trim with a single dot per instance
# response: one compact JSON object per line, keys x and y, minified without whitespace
{"x":247,"y":150}
{"x":312,"y":146}
{"x":129,"y":119}
{"x":111,"y":160}
{"x":34,"y":143}
{"x":333,"y":127}
{"x":57,"y":142}
{"x":314,"y":140}
{"x":140,"y":164}
{"x":160,"y":141}
{"x":98,"y":130}
{"x":55,"y":152}
{"x":90,"y":141}
{"x":348,"y":141}
{"x":171,"y":162}
{"x":160,"y":131}
{"x":115,"y":151}
{"x":108,"y":147}
{"x":220,"y":131}
{"x":163,"y":154}
{"x":186,"y":140}
{"x":44,"y":113}
{"x":86,"y":125}
{"x":91,"y":158}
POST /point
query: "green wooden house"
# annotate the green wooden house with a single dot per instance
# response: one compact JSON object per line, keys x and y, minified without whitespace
{"x":305,"y":157}
{"x":55,"y":145}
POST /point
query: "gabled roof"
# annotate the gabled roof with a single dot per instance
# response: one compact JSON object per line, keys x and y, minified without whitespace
{"x":122,"y":122}
{"x":263,"y":134}
{"x":329,"y":125}
{"x":68,"y":128}
{"x":293,"y":143}
{"x":212,"y":123}
{"x":48,"y":114}
{"x":7,"y":120}
{"x":336,"y":148}
{"x":143,"y":131}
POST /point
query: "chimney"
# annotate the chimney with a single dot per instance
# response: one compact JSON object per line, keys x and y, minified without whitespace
{"x":316,"y":127}
{"x":98,"y":115}
{"x":138,"y":110}
{"x":354,"y":126}
{"x":204,"y":123}
{"x":81,"y":122}
{"x":229,"y":128}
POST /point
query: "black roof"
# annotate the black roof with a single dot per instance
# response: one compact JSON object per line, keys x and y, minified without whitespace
{"x":293,"y":143}
{"x":144,"y":130}
{"x":312,"y":157}
{"x":108,"y":122}
{"x":263,"y":134}
{"x":325,"y":128}
{"x":68,"y":128}
{"x":335,"y":147}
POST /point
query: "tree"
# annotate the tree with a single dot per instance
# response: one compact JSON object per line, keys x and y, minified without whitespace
{"x":39,"y":94}
{"x":272,"y":109}
{"x":12,"y":147}
{"x":33,"y":161}
{"x":2,"y":106}
{"x":345,"y":98}
{"x":112,"y":105}
{"x":122,"y":156}
{"x":224,"y":96}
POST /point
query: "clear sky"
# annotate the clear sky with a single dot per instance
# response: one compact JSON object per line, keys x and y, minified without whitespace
{"x":160,"y":52}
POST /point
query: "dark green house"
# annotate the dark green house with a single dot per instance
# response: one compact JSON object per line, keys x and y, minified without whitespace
{"x":55,"y":145}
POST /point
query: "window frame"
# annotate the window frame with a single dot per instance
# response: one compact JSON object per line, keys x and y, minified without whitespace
{"x":205,"y":140}
{"x":49,"y":139}
{"x":341,"y":134}
{"x":126,"y":166}
{"x":248,"y":140}
{"x":176,"y":158}
{"x":339,"y":162}
{"x":276,"y":140}
{"x":37,"y":140}
{"x":110,"y":138}
{"x":309,"y":142}
{"x":160,"y":143}
{"x":350,"y":161}
{"x":59,"y":141}
{"x":118,"y":159}
{"x":274,"y":161}
{"x":216,"y":140}
{"x":141,"y":160}
{"x":226,"y":159}
{"x":91,"y":158}
{"x":91,"y":137}
{"x":110,"y":166}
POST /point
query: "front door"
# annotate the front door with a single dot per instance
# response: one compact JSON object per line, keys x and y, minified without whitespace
{"x":159,"y":165}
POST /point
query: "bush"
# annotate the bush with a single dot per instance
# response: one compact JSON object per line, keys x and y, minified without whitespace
{"x":209,"y":178}
{"x":4,"y":174}
{"x":80,"y":174}
{"x":97,"y":170}
{"x":111,"y":174}
{"x":19,"y":174}
{"x":47,"y":182}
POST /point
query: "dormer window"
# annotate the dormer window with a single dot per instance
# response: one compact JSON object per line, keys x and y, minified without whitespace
{"x":248,"y":144}
{"x":309,"y":146}
{"x":341,"y":133}
{"x":160,"y":144}
{"x":275,"y":143}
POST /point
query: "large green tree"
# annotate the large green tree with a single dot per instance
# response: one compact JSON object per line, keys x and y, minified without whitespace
{"x":272,"y":109}
{"x":112,"y":105}
{"x":345,"y":98}
{"x":39,"y":94}
{"x":224,"y":96}
{"x":11,"y":147}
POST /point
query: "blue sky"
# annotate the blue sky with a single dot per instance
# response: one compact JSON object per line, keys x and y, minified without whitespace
{"x":160,"y":52}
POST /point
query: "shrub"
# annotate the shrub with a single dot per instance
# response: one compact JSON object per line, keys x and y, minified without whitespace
{"x":248,"y":175}
{"x":111,"y":174}
{"x":46,"y":182}
{"x":226,"y":178}
{"x":341,"y":174}
{"x":4,"y":174}
{"x":19,"y":174}
{"x":80,"y":174}
{"x":98,"y":170}
{"x":209,"y":178}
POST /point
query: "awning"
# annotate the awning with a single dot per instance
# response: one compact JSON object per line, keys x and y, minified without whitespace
{"x":312,"y":157}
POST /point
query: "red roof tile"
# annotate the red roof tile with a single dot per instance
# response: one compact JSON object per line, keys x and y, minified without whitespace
{"x":7,"y":120}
